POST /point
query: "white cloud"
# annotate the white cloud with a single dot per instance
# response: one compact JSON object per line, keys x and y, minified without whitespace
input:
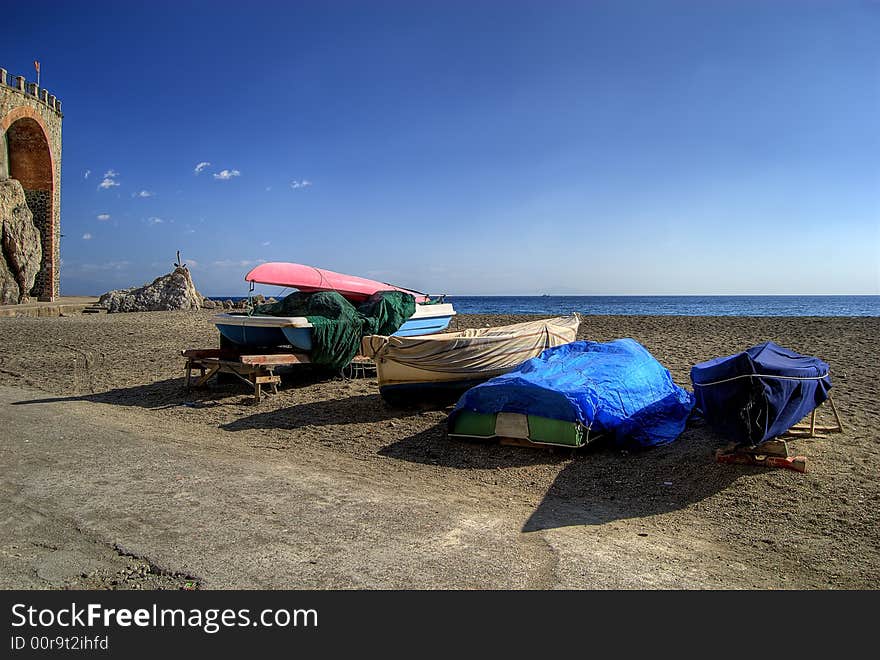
{"x":225,"y":175}
{"x":190,"y":231}
{"x":109,"y":181}
{"x":201,"y":166}
{"x":266,"y":243}
{"x":87,"y":237}
{"x":230,"y":263}
{"x":109,"y":265}
{"x":142,"y":193}
{"x":103,"y":216}
{"x":86,"y":174}
{"x":111,"y":174}
{"x":155,"y":221}
{"x":305,"y":183}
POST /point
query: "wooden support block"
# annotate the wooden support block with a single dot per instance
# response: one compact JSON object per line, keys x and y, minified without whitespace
{"x":199,"y":353}
{"x":774,"y":447}
{"x":206,"y":376}
{"x":276,"y":359}
{"x":796,"y":463}
{"x":517,"y":442}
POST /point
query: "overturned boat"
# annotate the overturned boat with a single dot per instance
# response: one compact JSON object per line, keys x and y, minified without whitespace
{"x":572,"y":394}
{"x":443,"y":365}
{"x":310,"y":279}
{"x":246,"y":329}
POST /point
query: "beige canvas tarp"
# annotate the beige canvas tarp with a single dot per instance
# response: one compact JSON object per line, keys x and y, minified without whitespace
{"x":467,"y":355}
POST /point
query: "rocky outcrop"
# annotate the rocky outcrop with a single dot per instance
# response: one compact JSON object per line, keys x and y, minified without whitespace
{"x":22,"y":250}
{"x":174,"y":291}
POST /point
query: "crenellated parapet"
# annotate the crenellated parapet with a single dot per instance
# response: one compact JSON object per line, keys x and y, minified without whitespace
{"x":29,"y":88}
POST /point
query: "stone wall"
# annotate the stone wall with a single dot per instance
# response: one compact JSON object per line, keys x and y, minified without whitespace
{"x":23,"y":100}
{"x":40,"y":204}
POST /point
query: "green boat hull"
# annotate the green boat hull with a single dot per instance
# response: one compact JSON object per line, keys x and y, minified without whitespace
{"x":539,"y":430}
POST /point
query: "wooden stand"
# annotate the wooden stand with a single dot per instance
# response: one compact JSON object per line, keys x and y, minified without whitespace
{"x":359,"y":367}
{"x":775,"y":452}
{"x":255,"y":370}
{"x":803,"y":430}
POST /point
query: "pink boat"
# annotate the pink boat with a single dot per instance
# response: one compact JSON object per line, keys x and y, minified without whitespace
{"x":309,"y":278}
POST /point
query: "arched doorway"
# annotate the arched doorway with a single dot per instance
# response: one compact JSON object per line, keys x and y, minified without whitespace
{"x":29,"y":160}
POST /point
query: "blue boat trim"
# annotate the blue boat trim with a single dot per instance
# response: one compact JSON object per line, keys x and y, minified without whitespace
{"x":252,"y":336}
{"x":300,"y":338}
{"x":423,"y":326}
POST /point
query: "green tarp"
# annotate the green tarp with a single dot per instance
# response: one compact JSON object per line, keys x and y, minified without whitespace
{"x":338,"y":326}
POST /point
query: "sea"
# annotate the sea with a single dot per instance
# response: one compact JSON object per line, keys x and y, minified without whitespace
{"x":665,"y":305}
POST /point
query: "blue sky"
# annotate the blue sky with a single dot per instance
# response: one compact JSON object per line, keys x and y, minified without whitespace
{"x":468,"y":147}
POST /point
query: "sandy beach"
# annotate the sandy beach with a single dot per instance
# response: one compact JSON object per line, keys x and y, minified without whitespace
{"x":671,"y":516}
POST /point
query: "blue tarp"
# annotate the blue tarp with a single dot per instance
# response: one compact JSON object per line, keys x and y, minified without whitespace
{"x":616,"y":387}
{"x":760,"y":393}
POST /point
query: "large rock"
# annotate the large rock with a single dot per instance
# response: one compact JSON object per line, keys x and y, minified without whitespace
{"x":22,"y":249}
{"x":174,"y":291}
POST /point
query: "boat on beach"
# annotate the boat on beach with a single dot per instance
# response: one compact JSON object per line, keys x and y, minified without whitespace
{"x":270,"y":331}
{"x":444,"y":365}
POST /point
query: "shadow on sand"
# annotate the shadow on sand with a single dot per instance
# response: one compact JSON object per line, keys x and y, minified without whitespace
{"x":597,"y":484}
{"x":171,"y":392}
{"x":159,"y":394}
{"x":594,"y":485}
{"x":361,"y":409}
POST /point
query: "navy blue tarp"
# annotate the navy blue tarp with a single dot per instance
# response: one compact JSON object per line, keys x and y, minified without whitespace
{"x":760,"y":393}
{"x":617,"y":387}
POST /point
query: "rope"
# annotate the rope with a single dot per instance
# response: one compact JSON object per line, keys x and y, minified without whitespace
{"x":727,"y":380}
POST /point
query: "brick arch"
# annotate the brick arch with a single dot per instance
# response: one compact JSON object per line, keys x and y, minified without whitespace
{"x":27,"y":112}
{"x":21,"y":112}
{"x":30,"y":156}
{"x":32,"y":163}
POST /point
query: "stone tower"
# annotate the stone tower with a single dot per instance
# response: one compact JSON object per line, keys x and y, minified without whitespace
{"x":30,"y":152}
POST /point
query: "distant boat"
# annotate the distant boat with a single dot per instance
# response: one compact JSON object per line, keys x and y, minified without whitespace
{"x":444,"y":365}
